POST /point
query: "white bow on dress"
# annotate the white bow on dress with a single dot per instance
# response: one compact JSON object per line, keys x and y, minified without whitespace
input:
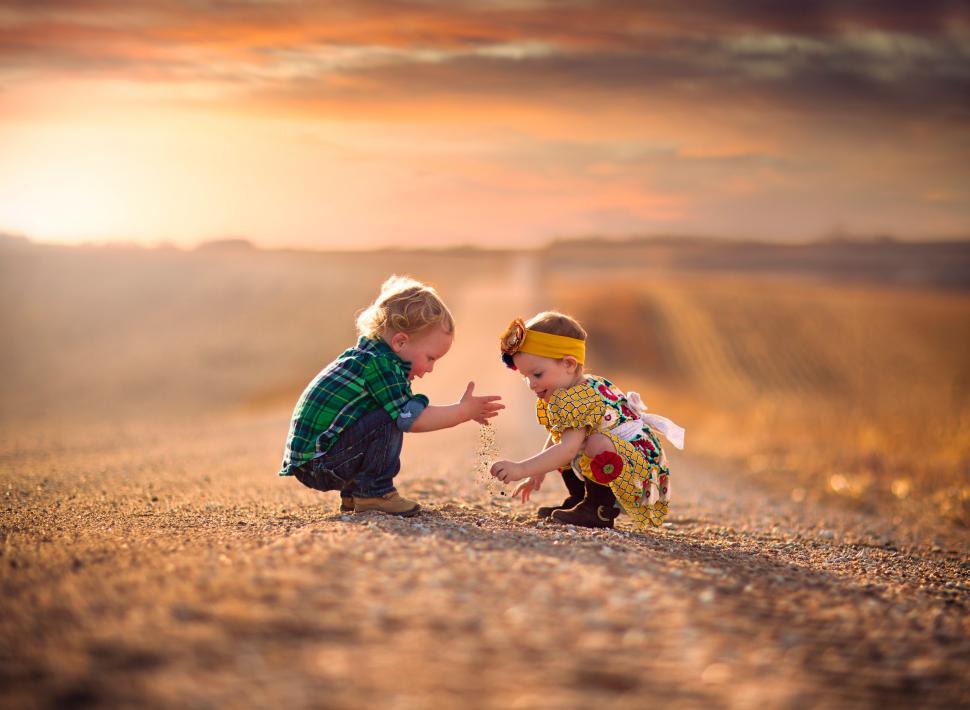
{"x":673,"y":432}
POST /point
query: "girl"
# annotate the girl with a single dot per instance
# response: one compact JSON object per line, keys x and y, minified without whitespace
{"x":601,"y":439}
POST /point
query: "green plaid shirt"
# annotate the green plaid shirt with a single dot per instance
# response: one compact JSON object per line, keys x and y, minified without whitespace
{"x":365,"y":377}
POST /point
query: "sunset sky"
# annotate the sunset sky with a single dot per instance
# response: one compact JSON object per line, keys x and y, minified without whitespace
{"x":506,"y":123}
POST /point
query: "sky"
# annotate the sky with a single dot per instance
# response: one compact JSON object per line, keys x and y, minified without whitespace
{"x":368,"y":123}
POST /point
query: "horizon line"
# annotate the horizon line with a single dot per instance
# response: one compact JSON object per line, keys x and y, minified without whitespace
{"x":241,"y":244}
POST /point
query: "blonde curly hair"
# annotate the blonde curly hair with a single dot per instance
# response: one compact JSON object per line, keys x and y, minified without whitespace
{"x":404,"y":305}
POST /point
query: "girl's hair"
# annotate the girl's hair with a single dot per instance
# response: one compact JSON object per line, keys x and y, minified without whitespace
{"x":556,"y":323}
{"x":406,"y":306}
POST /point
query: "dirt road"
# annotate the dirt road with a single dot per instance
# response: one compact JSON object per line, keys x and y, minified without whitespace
{"x":173,"y":569}
{"x":159,"y":563}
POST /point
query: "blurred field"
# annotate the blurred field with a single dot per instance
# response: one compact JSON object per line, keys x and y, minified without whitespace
{"x":803,"y":368}
{"x":858,"y":392}
{"x":114,"y":332}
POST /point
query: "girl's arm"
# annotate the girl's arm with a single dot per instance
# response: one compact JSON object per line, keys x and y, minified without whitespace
{"x":551,"y":458}
{"x":481,"y":409}
{"x":533,"y":483}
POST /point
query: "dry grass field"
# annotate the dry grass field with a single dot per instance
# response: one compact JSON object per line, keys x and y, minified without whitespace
{"x":861,"y":392}
{"x":816,"y":555}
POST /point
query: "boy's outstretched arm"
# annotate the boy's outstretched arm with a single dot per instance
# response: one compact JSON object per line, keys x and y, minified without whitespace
{"x":468,"y":408}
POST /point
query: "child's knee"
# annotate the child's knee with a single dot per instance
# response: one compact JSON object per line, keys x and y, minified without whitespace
{"x":597,"y":444}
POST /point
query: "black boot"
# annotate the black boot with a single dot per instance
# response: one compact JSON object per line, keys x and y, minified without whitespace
{"x":597,"y":509}
{"x":576,"y":492}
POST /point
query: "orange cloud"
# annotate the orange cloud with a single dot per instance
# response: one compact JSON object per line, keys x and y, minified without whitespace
{"x":394,"y":119}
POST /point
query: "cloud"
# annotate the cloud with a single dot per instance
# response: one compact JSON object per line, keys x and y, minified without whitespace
{"x":823,"y":57}
{"x":646,"y":110}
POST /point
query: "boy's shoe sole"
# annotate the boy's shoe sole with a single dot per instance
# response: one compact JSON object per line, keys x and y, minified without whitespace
{"x":402,"y":514}
{"x":406,"y":514}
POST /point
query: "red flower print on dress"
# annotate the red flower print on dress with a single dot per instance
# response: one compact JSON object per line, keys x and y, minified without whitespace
{"x":663,"y":484}
{"x":608,"y":393}
{"x":627,"y":412}
{"x":606,"y":467}
{"x":645,"y":446}
{"x":644,"y":497}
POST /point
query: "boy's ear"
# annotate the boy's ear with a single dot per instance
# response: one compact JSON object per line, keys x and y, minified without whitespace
{"x":571,"y":363}
{"x":398,"y":341}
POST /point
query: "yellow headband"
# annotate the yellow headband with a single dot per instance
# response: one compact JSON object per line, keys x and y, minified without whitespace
{"x":518,"y":339}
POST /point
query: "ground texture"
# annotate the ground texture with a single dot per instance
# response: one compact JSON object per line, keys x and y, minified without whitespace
{"x":158,"y":570}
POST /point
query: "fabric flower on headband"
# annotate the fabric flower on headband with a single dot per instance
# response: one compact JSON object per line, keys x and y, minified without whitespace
{"x":512,"y":341}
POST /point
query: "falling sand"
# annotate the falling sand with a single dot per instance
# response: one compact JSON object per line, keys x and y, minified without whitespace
{"x":487,"y":454}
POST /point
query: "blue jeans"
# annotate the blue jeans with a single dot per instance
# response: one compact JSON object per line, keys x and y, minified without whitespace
{"x":362,"y":462}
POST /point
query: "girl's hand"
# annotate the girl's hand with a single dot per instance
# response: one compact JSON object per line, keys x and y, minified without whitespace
{"x":507,"y":471}
{"x":481,"y":409}
{"x":528,"y":487}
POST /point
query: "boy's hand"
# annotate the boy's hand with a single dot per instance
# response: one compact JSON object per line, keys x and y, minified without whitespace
{"x":528,"y":487}
{"x":481,"y":409}
{"x":507,"y":471}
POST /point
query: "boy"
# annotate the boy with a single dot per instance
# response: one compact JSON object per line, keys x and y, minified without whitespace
{"x":348,"y":425}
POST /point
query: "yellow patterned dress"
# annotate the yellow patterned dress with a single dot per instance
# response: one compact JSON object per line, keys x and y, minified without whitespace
{"x":595,"y":405}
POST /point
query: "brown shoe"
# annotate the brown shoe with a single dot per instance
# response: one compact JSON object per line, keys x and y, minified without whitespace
{"x":576,"y":492}
{"x":346,"y":504}
{"x":597,"y":510}
{"x":391,"y":503}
